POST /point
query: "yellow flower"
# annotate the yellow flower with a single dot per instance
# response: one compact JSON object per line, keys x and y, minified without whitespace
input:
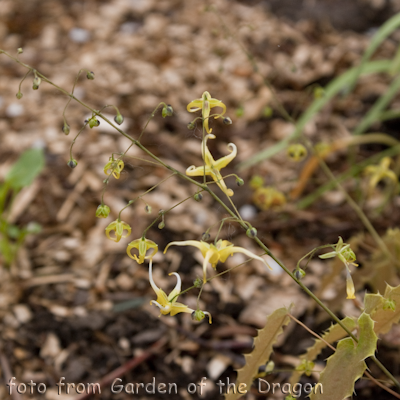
{"x":296,"y":152}
{"x":343,"y":252}
{"x":118,"y":227}
{"x":214,"y":253}
{"x":213,"y":167}
{"x":205,"y":104}
{"x":143,"y":245}
{"x":379,"y":172}
{"x":168,"y":304}
{"x":350,"y":287}
{"x":114,"y":167}
{"x":266,"y":197}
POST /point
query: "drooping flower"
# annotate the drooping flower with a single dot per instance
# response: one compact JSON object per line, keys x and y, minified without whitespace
{"x":143,"y":245}
{"x":212,"y":167}
{"x":114,"y":167}
{"x":118,"y":227}
{"x":205,"y":104}
{"x":168,"y":304}
{"x":380,"y":172}
{"x":102,"y":211}
{"x":215,"y":253}
{"x":350,"y":286}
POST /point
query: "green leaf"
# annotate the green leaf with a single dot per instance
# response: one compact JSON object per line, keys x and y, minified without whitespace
{"x":262,"y":350}
{"x":347,"y":364}
{"x":26,"y":169}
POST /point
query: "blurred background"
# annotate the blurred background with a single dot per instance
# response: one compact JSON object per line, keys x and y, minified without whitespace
{"x":72,"y":304}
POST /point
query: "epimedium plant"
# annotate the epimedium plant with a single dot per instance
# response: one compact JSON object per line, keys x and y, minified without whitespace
{"x":360,"y":346}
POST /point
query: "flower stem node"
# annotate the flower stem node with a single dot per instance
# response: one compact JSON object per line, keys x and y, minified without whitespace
{"x":93,"y":122}
{"x":72,"y":163}
{"x":102,"y":211}
{"x":120,"y":228}
{"x":90,"y":75}
{"x":66,"y":129}
{"x":251,"y":232}
{"x":239,"y":181}
{"x":296,"y":152}
{"x":227,"y":121}
{"x":119,"y":119}
{"x":142,"y":245}
{"x":198,"y":197}
{"x":198,"y":283}
{"x":36,"y":83}
{"x":213,"y":253}
{"x":167,"y":111}
{"x":114,"y":167}
{"x":19,"y":95}
{"x":199,"y":315}
{"x":299,"y":273}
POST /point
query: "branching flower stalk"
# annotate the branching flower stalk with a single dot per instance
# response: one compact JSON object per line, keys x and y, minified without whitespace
{"x":204,"y":187}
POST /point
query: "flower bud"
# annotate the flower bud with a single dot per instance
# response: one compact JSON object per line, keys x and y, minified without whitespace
{"x":198,"y":283}
{"x":296,"y":152}
{"x":36,"y":83}
{"x":167,"y":111}
{"x":102,"y":211}
{"x":191,"y":125}
{"x":148,"y":209}
{"x":161,"y":225}
{"x":267,"y":112}
{"x":65,"y":128}
{"x":198,"y":315}
{"x":239,"y":181}
{"x":93,"y":122}
{"x":299,"y":273}
{"x":72,"y":163}
{"x":205,"y":236}
{"x":19,"y":95}
{"x":251,"y":232}
{"x":119,"y":119}
{"x":20,"y":50}
{"x":90,"y":75}
{"x":198,"y":197}
{"x":256,"y":182}
{"x":227,"y":121}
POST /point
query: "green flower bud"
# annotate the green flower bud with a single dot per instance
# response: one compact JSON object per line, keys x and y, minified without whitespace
{"x":93,"y":122}
{"x":205,"y":236}
{"x":198,"y":197}
{"x":267,"y":112}
{"x":19,"y":95}
{"x":319,"y":92}
{"x":20,"y":50}
{"x":239,"y":181}
{"x":191,"y":125}
{"x":90,"y":75}
{"x":65,"y":128}
{"x":36,"y":83}
{"x":227,"y":121}
{"x":161,"y":225}
{"x":198,"y":315}
{"x":251,"y":232}
{"x":119,"y":119}
{"x":299,"y":273}
{"x":148,"y":209}
{"x":256,"y":182}
{"x":167,"y":111}
{"x":102,"y":211}
{"x":239,"y":111}
{"x":72,"y":163}
{"x":198,"y":282}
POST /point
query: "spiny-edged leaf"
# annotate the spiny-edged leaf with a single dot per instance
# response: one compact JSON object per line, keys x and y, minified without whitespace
{"x":376,"y":306}
{"x":262,"y":350}
{"x":333,"y":334}
{"x":347,"y":364}
{"x":26,"y":169}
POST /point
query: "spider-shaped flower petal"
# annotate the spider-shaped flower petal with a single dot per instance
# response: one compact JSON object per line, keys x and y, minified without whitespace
{"x":114,"y":167}
{"x":143,"y":245}
{"x":118,"y":227}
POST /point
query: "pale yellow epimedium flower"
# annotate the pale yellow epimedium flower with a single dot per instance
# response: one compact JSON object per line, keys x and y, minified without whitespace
{"x":214,"y":253}
{"x":114,"y":167}
{"x":143,"y":245}
{"x":168,"y":304}
{"x":350,"y":287}
{"x":119,"y":228}
{"x":212,"y":167}
{"x":205,"y":104}
{"x":379,"y":172}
